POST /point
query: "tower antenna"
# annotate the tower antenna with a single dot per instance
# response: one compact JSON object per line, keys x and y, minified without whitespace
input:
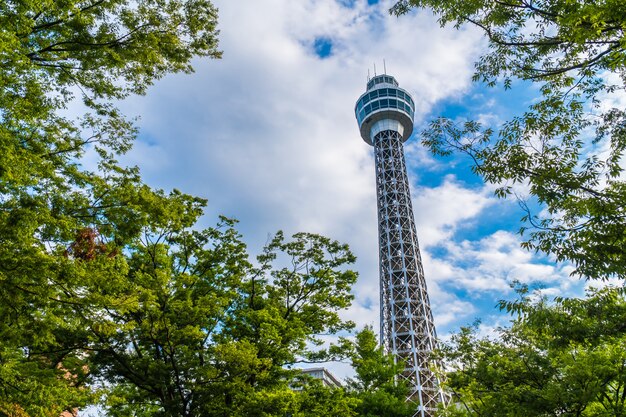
{"x":374,"y":69}
{"x":385,"y":66}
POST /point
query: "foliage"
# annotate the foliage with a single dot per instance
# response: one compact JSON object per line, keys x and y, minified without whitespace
{"x":372,"y":392}
{"x":63,"y":228}
{"x":318,"y":400}
{"x":566,"y":359}
{"x":209,"y":334}
{"x":568,"y":146}
{"x":375,"y":384}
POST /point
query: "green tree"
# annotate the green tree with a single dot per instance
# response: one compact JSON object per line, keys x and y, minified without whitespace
{"x":208,"y":334}
{"x":376,"y":385}
{"x":63,"y":229}
{"x":315,"y":399}
{"x":569,"y":145}
{"x":566,"y":359}
{"x":374,"y":390}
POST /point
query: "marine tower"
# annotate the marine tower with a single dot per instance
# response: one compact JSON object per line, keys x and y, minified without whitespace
{"x":385,"y":116}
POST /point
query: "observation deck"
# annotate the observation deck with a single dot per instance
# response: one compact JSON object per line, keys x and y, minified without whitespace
{"x":384,"y":106}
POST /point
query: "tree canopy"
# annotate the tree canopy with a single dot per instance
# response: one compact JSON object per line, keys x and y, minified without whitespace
{"x":566,"y":358}
{"x":64,"y":229}
{"x":568,"y":146}
{"x":376,"y":384}
{"x":199,"y":331}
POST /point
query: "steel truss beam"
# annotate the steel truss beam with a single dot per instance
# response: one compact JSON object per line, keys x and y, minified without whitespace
{"x":406,"y":324}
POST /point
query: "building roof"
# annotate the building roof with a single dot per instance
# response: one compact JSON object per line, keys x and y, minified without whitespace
{"x":328,"y":378}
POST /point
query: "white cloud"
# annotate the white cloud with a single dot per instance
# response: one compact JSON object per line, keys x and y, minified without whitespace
{"x":268,"y":133}
{"x":495,"y":261}
{"x":441,"y":210}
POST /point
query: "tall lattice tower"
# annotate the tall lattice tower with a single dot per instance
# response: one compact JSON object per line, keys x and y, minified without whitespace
{"x":385,"y":117}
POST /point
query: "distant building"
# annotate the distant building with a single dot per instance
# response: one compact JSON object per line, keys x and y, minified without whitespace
{"x":324,"y":374}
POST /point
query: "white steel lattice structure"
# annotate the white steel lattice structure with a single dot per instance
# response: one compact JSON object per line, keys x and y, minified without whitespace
{"x":385,"y":116}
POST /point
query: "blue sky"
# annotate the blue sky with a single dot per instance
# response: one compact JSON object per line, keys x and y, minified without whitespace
{"x":268,"y":135}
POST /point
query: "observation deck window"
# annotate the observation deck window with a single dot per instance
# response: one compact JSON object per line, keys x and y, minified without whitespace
{"x":384,"y":92}
{"x":384,"y":98}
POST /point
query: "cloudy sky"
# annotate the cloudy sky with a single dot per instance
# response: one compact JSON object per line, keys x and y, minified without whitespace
{"x":268,"y":135}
